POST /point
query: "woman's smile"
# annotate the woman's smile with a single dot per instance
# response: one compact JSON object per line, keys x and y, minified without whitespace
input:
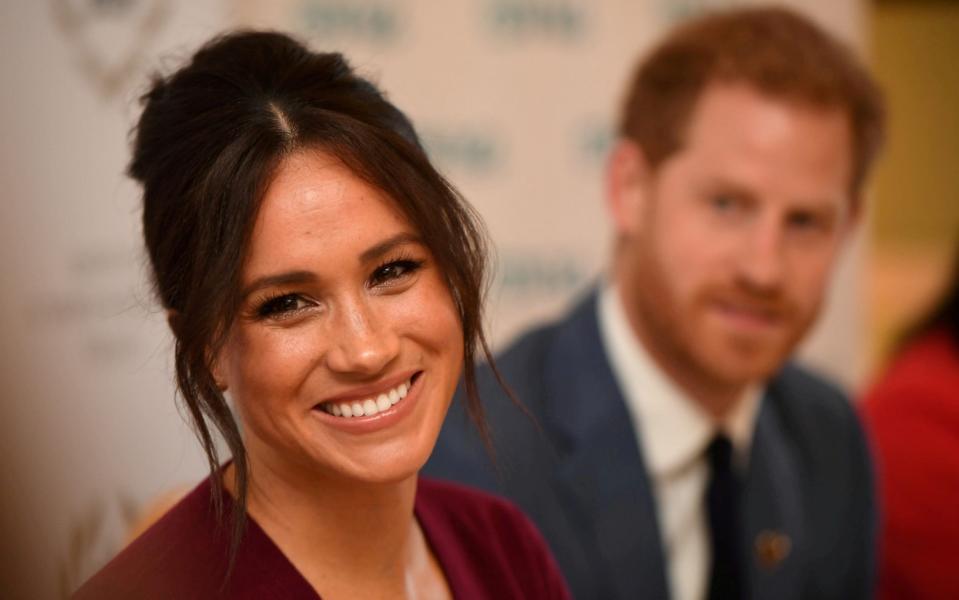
{"x":372,"y":408}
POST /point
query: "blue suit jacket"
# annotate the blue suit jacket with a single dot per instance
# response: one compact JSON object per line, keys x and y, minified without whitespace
{"x":578,"y":471}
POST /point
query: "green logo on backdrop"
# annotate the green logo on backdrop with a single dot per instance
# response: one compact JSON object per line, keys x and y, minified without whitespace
{"x":545,"y":272}
{"x":593,"y":140}
{"x":466,"y":150}
{"x":673,"y":11}
{"x":537,"y":18}
{"x":376,"y":22}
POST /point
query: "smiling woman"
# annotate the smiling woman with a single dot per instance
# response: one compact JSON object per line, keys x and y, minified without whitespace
{"x":323,"y":278}
{"x":350,"y":308}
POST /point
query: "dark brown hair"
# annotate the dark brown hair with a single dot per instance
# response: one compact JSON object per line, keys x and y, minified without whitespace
{"x":205,"y":149}
{"x":773,"y":49}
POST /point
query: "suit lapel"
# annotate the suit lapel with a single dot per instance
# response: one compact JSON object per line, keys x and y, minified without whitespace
{"x":774,"y":517}
{"x":601,"y":471}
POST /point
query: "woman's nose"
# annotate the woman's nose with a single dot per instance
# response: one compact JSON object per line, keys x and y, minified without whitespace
{"x":362,"y":342}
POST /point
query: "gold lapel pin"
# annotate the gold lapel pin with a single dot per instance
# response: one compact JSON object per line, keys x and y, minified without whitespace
{"x":772,"y":547}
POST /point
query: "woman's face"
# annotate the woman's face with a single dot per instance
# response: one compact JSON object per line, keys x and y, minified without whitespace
{"x":348,"y":346}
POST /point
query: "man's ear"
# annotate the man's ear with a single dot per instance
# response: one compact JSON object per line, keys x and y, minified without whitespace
{"x":627,"y":180}
{"x":856,"y":210}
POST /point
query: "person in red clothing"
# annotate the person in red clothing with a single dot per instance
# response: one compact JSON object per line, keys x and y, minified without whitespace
{"x":912,"y":415}
{"x":320,"y":272}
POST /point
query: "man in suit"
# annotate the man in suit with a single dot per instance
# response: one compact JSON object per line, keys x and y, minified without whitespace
{"x":674,"y":450}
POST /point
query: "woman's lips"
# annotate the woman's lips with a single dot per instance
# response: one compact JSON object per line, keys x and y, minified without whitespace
{"x":375,"y":411}
{"x":367,"y":407}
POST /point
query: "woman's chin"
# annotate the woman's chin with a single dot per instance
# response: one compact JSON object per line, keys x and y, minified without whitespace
{"x":383,"y":467}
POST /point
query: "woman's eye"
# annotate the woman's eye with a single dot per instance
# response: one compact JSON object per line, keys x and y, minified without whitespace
{"x":282,"y":305}
{"x":393,"y":271}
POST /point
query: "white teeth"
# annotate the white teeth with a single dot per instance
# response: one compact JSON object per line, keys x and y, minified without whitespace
{"x":369,"y":406}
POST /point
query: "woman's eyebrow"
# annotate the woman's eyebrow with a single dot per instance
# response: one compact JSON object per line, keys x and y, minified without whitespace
{"x":381,"y":248}
{"x":302,"y":277}
{"x":279,"y":279}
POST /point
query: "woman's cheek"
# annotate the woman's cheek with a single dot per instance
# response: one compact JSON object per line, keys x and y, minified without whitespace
{"x":271,"y":356}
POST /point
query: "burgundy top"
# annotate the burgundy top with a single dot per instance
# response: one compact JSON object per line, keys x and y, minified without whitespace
{"x":485,"y":545}
{"x":912,"y":416}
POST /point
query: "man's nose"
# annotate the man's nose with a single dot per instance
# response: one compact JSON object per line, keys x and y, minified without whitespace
{"x":762,"y":262}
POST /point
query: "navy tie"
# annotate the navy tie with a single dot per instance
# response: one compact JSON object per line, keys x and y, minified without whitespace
{"x":727,"y":577}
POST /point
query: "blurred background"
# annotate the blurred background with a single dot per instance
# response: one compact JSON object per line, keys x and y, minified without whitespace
{"x":515,"y":100}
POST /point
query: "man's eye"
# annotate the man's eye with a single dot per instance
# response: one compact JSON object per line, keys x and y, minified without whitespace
{"x":724,"y":203}
{"x":393,"y":271}
{"x":281,"y":306}
{"x":807,"y":221}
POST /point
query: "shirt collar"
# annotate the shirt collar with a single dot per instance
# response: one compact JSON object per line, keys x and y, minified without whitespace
{"x":674,"y":429}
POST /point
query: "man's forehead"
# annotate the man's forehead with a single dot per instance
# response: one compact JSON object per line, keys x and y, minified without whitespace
{"x":731,"y":106}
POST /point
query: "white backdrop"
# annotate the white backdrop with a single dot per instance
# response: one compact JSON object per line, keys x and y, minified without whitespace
{"x":514,"y":98}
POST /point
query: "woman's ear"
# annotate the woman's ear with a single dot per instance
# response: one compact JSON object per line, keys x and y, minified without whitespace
{"x":627,"y":178}
{"x":219,"y":377}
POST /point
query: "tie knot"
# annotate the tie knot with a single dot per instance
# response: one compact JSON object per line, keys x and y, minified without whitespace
{"x":720,"y":453}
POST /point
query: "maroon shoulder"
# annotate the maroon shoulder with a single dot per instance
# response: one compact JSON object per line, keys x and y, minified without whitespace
{"x":488,"y":548}
{"x":181,"y":555}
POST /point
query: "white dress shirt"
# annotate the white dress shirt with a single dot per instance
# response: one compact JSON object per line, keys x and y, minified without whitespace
{"x":674,"y":432}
